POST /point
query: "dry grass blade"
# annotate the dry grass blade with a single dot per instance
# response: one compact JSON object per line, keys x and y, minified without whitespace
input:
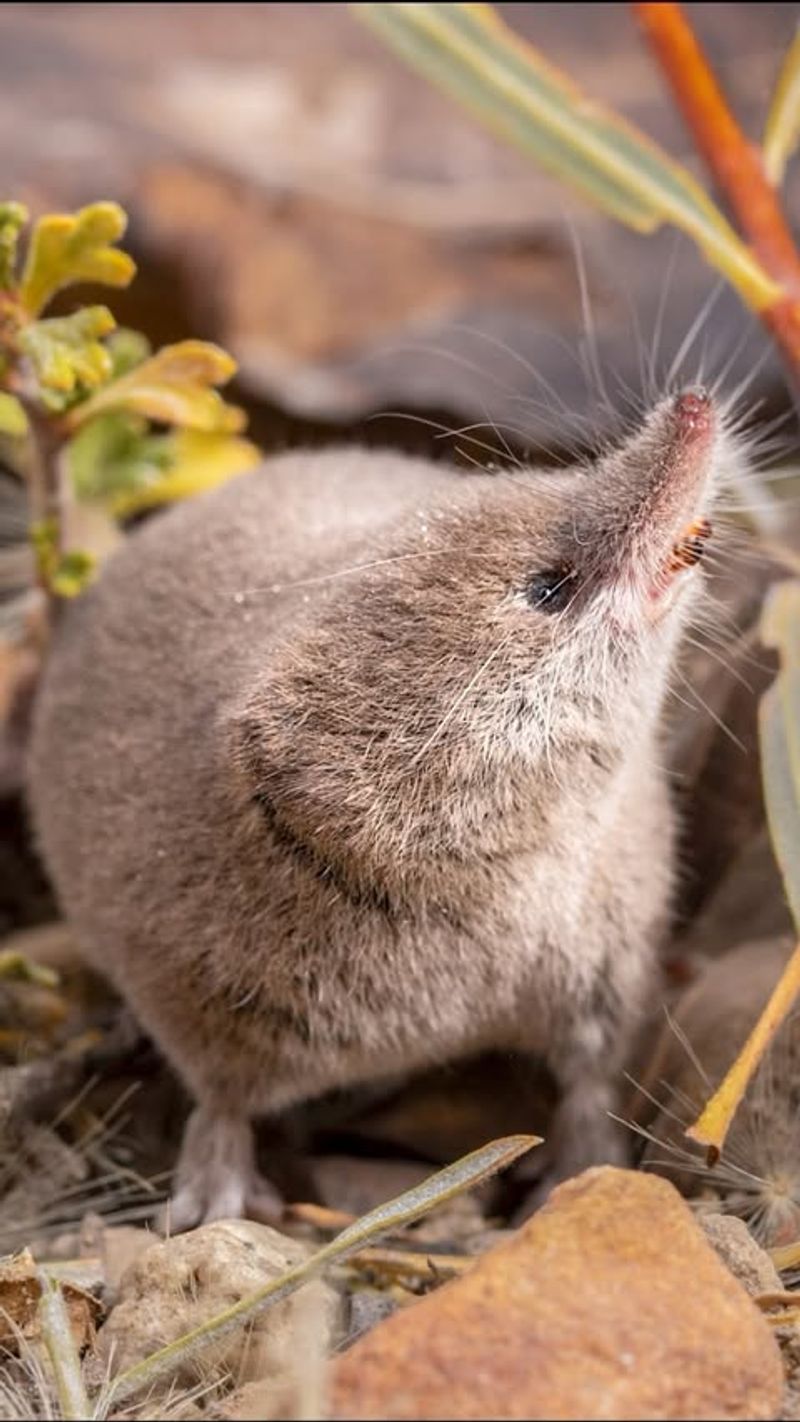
{"x":406,"y":1264}
{"x":711,"y":1127}
{"x":786,"y":1256}
{"x":479,"y":1165}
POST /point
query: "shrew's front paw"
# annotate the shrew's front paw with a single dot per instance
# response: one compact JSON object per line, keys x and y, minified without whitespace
{"x":216,"y":1177}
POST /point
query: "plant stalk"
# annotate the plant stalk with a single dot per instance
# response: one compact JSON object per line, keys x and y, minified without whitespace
{"x":735,"y":163}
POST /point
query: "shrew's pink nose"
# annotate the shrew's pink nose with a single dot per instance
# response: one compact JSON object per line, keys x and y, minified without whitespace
{"x":693,"y":409}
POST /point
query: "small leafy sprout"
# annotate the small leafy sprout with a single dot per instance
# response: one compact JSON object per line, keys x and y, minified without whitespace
{"x":81,"y":396}
{"x":69,"y":248}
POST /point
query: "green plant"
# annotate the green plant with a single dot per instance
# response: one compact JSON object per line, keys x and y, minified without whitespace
{"x":79,"y":398}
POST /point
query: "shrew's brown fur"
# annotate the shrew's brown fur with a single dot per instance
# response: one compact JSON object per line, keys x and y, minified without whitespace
{"x":329,"y":792}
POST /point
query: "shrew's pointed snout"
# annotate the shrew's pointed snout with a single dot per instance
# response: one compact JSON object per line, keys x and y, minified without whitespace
{"x":693,"y":405}
{"x":658,"y":485}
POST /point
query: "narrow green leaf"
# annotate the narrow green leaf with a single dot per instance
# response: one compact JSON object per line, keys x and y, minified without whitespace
{"x":436,"y":1190}
{"x":13,"y":420}
{"x":782,"y":130}
{"x":470,"y":51}
{"x":75,"y":247}
{"x":173,"y":387}
{"x":60,"y":1345}
{"x":779,"y":728}
{"x":13,"y":217}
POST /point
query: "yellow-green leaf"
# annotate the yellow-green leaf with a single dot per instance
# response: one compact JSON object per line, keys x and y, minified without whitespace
{"x":479,"y":1165}
{"x":13,"y":217}
{"x":127,"y":349}
{"x":13,"y":420}
{"x":782,"y":131}
{"x":470,"y":51}
{"x":72,"y":573}
{"x":75,"y":247}
{"x":173,"y":387}
{"x":67,"y":353}
{"x":196,"y":461}
{"x":17,"y":966}
{"x":115,"y":453}
{"x":64,"y":574}
{"x":779,"y":727}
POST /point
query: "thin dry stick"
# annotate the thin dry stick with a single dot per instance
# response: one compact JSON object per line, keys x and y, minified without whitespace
{"x":711,"y":1127}
{"x":736,"y":164}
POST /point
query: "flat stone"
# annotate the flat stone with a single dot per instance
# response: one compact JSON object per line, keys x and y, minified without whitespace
{"x":608,"y":1303}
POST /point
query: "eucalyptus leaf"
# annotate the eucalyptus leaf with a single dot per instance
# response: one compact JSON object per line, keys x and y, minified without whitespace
{"x":469,"y":50}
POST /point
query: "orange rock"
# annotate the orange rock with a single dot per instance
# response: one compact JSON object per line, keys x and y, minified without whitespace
{"x":609,"y":1303}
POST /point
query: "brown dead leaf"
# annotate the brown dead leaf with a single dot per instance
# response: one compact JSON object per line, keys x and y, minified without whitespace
{"x":20,"y":1292}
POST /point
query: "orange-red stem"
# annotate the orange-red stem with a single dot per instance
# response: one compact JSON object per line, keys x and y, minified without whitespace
{"x":735,"y":162}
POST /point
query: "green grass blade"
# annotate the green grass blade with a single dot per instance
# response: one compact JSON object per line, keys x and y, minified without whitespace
{"x":468,"y":50}
{"x":60,"y":1344}
{"x":782,"y":130}
{"x":436,"y":1190}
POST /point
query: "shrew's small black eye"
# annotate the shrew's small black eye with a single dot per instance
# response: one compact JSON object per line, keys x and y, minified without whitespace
{"x":551,"y":590}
